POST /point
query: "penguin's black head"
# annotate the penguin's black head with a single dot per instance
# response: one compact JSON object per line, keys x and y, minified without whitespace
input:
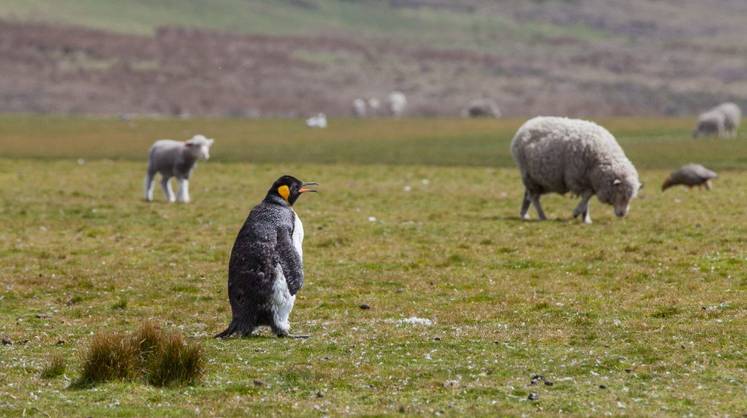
{"x":290,"y":188}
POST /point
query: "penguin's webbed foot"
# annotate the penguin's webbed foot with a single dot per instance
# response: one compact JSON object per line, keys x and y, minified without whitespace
{"x":243,"y":330}
{"x":280,"y":332}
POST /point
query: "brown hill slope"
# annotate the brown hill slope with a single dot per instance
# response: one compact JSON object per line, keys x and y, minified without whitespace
{"x":555,"y":57}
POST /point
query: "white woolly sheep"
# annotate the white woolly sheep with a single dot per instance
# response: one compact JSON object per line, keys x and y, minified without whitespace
{"x":318,"y":121}
{"x":397,"y":103}
{"x":710,"y":123}
{"x":359,"y":108}
{"x":561,"y":155}
{"x":175,"y":159}
{"x":732,"y":118}
{"x":481,"y":108}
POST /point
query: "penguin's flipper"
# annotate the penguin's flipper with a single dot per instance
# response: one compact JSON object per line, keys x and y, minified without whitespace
{"x":290,"y":261}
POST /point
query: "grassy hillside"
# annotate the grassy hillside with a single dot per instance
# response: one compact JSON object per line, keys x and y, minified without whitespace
{"x":295,"y":57}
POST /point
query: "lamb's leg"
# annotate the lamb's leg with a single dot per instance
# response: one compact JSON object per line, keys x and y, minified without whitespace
{"x":149,"y":183}
{"x":525,"y":206}
{"x":583,"y":208}
{"x":535,"y":199}
{"x":708,"y":185}
{"x":167,"y":189}
{"x":183,"y":191}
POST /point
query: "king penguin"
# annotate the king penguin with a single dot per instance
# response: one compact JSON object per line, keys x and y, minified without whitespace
{"x":265,"y":270}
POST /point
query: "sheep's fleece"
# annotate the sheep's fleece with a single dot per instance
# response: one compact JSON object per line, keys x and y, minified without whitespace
{"x":560,"y":155}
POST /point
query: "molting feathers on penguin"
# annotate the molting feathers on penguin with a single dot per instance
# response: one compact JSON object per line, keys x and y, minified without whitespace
{"x":265,"y":270}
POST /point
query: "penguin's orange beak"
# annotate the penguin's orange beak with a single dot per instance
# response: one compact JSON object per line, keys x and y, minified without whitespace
{"x":305,"y":187}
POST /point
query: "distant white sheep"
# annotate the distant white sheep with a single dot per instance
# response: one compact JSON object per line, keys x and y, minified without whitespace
{"x":710,"y":123}
{"x":481,"y":108}
{"x":175,"y":159}
{"x":732,"y":118}
{"x":318,"y":121}
{"x":561,"y":155}
{"x":722,"y":121}
{"x":397,"y":103}
{"x":359,"y":108}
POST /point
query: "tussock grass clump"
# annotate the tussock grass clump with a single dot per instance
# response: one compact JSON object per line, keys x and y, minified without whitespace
{"x":55,"y":367}
{"x":176,"y":362}
{"x":109,"y":357}
{"x":159,"y":357}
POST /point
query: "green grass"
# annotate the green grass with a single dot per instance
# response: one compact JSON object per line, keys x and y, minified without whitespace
{"x":653,"y":307}
{"x":434,"y":27}
{"x":649,"y":142}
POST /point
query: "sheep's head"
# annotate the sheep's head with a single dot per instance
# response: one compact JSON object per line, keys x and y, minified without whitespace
{"x":616,"y":186}
{"x":618,"y":190}
{"x":199,"y":146}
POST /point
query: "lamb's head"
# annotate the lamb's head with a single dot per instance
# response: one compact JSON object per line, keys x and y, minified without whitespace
{"x":618,"y":189}
{"x":199,"y":146}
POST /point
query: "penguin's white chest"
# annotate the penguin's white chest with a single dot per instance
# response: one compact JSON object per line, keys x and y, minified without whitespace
{"x":298,"y":235}
{"x":282,"y":301}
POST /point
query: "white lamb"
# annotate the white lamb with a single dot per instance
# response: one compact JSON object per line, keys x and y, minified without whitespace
{"x":397,"y":103}
{"x":561,"y":155}
{"x":175,"y":159}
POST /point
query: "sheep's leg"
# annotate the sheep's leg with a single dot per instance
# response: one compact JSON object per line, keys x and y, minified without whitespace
{"x":183,"y":191}
{"x":149,"y":183}
{"x":535,"y":198}
{"x":583,"y":208}
{"x":525,"y":206}
{"x":166,"y":185}
{"x":708,"y":185}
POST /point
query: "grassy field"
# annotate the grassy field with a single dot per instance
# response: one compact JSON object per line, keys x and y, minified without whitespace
{"x":650,"y":143}
{"x":641,"y":316}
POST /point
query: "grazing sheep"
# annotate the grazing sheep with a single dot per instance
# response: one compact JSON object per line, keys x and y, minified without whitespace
{"x":481,"y":108}
{"x":690,"y":175}
{"x":397,"y":103}
{"x":710,"y":123}
{"x":560,"y":155}
{"x":175,"y":159}
{"x":318,"y":121}
{"x":732,"y":118}
{"x":359,"y":108}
